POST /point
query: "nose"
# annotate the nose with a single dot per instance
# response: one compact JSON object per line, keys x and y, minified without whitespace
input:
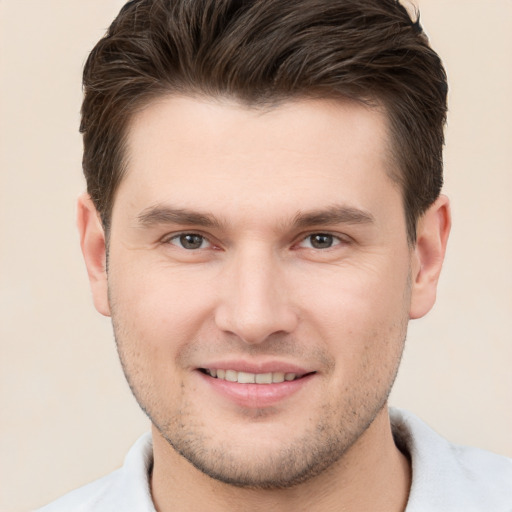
{"x":255,"y":301}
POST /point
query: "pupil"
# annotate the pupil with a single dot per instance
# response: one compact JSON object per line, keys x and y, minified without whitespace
{"x":321,"y":241}
{"x":191,"y":241}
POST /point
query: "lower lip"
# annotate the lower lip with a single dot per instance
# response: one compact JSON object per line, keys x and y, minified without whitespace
{"x":256,"y":396}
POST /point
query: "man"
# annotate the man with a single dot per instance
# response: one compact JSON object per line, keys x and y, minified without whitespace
{"x":263,"y":218}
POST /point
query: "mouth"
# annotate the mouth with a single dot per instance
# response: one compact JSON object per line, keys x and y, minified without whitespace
{"x":252,"y":378}
{"x":256,"y":386}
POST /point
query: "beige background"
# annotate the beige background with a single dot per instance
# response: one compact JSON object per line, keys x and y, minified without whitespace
{"x":66,"y":415}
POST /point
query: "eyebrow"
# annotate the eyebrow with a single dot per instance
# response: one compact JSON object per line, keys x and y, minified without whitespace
{"x":160,"y":214}
{"x":333,"y":215}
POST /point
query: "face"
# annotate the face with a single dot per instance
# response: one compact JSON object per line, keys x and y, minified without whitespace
{"x":259,"y":282}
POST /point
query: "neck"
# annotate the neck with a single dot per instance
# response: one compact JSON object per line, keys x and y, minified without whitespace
{"x":372,"y":475}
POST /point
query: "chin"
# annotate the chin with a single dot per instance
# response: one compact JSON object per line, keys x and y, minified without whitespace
{"x":265,"y":457}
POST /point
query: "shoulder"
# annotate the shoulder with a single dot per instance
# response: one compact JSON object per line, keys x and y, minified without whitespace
{"x":125,"y":489}
{"x":450,"y":477}
{"x":88,"y":497}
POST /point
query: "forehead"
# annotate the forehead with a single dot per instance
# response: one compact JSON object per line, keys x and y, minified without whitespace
{"x":218,"y":153}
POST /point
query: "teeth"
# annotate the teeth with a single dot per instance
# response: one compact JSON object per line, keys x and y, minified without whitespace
{"x":264,"y":378}
{"x":251,"y":378}
{"x":231,"y":375}
{"x":246,"y":378}
{"x":278,"y":377}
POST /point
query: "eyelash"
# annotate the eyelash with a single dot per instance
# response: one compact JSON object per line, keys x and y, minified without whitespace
{"x":334,"y":239}
{"x":180,"y":236}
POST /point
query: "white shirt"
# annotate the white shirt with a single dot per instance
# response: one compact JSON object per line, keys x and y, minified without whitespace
{"x":445,"y":477}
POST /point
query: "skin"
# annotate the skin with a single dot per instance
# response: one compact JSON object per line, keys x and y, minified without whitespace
{"x":257,"y":289}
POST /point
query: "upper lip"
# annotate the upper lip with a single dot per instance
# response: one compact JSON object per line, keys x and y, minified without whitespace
{"x":257,"y":367}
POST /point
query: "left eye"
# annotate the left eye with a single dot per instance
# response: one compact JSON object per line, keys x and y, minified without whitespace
{"x":190,"y":241}
{"x":320,"y":241}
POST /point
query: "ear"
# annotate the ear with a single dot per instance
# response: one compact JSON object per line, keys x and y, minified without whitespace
{"x":431,"y":239}
{"x":93,"y":244}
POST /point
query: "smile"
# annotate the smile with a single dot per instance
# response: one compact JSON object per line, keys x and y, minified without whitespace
{"x":256,"y":389}
{"x":251,"y":378}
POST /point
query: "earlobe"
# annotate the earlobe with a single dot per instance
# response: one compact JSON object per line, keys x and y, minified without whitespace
{"x":93,"y":244}
{"x":432,"y":236}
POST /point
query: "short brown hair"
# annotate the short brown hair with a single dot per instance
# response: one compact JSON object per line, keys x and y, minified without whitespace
{"x":261,"y":52}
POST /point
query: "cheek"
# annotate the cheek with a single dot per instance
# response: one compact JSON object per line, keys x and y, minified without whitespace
{"x":351,"y":294}
{"x":360,"y":312}
{"x":155,"y":316}
{"x":157,"y":313}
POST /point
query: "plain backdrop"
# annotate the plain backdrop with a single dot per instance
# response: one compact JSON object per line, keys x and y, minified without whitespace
{"x":66,"y":414}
